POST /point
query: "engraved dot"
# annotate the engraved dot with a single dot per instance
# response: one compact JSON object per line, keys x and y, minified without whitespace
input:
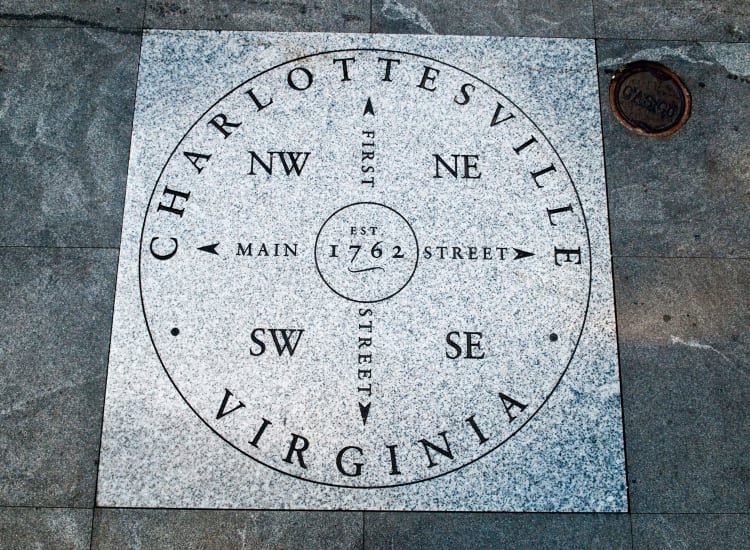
{"x":175,"y":331}
{"x":553,"y":337}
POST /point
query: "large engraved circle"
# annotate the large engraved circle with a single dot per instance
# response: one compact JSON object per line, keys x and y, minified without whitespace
{"x":451,"y":355}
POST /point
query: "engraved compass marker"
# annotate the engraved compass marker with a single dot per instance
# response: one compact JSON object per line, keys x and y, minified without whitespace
{"x":364,"y":272}
{"x":366,"y":205}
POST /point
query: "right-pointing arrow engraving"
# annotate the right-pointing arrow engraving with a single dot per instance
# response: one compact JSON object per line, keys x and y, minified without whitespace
{"x":522,"y":254}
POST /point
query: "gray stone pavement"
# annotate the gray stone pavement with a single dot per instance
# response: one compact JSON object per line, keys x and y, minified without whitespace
{"x":679,"y":211}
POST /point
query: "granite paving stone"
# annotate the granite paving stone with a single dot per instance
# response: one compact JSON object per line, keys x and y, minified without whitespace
{"x":685,"y":351}
{"x":191,"y":308}
{"x":556,"y":18}
{"x":56,"y":315}
{"x":66,"y":106}
{"x":225,"y":530}
{"x":67,"y":528}
{"x":691,"y":531}
{"x":287,"y":15}
{"x":687,"y":194}
{"x":477,"y":531}
{"x":719,"y":20}
{"x":67,"y":13}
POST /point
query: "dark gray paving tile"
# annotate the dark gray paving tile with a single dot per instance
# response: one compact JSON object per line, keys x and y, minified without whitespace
{"x":684,"y":331}
{"x":720,"y":20}
{"x":44,"y":528}
{"x":67,"y":13}
{"x":55,"y":314}
{"x":555,"y":18}
{"x":691,"y":531}
{"x":687,"y":194}
{"x":67,"y":104}
{"x":225,"y":530}
{"x":260,"y":15}
{"x":405,"y":530}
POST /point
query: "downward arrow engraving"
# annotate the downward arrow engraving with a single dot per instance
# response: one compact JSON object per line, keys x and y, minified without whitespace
{"x":364,"y":410}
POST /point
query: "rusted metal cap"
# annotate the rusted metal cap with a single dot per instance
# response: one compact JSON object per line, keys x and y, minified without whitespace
{"x":649,"y":99}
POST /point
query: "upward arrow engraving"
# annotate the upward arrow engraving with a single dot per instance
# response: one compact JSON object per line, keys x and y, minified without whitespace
{"x":210,"y":248}
{"x":368,"y":108}
{"x":364,"y":410}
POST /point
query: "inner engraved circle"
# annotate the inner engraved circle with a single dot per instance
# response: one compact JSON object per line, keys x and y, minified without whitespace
{"x":366,"y":252}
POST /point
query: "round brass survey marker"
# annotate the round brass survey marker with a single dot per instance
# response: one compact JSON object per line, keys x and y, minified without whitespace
{"x":649,"y":99}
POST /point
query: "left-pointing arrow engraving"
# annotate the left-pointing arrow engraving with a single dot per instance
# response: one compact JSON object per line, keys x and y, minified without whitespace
{"x":210,"y":248}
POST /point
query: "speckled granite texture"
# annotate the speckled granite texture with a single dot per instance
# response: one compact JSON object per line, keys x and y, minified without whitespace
{"x":679,"y":210}
{"x":364,"y":272}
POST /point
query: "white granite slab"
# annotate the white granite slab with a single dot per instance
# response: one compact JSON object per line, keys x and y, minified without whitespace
{"x":364,"y":272}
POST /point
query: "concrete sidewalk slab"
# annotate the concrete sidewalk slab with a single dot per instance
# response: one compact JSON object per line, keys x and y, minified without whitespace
{"x":72,"y":13}
{"x":486,"y":531}
{"x":685,"y":349}
{"x":721,"y":21}
{"x":320,"y":16}
{"x":556,"y":19}
{"x":685,"y":195}
{"x":45,"y":528}
{"x":59,"y":305}
{"x":67,"y":110}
